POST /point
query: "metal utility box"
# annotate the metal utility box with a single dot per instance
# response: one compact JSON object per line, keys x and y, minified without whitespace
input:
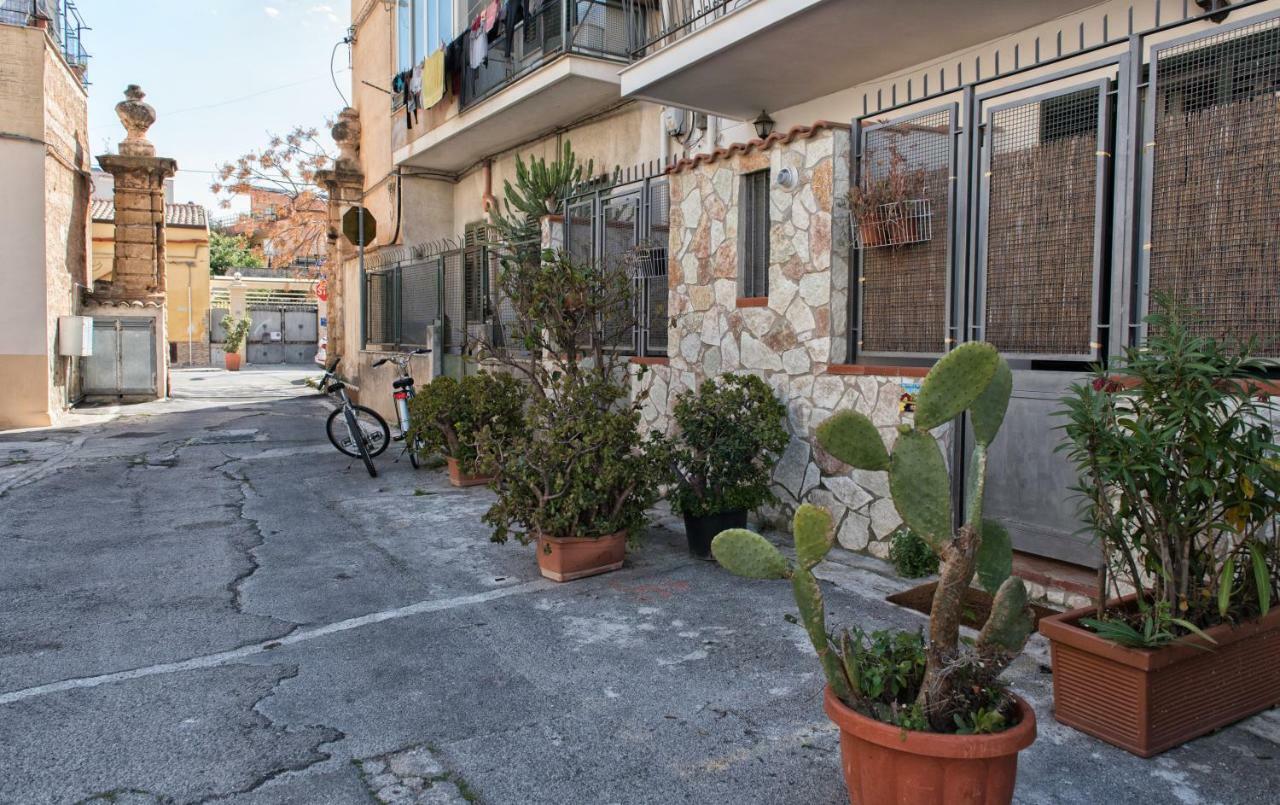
{"x":75,"y":336}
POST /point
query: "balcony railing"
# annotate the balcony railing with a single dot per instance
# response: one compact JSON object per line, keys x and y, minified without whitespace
{"x":669,"y":21}
{"x":601,"y":28}
{"x":63,"y":21}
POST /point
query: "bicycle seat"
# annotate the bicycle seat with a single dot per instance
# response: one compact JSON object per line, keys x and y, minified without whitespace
{"x":334,"y":385}
{"x":402,"y":382}
{"x":379,"y":362}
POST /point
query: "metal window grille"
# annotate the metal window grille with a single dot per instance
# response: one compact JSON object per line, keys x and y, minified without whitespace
{"x":1044,"y":172}
{"x":902,"y":291}
{"x":1214,"y":187}
{"x":476,"y":279}
{"x":753,"y":279}
{"x":419,"y":301}
{"x":452,"y":273}
{"x":626,"y":227}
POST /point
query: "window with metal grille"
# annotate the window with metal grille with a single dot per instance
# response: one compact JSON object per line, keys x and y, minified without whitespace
{"x":902,"y":290}
{"x":753,"y":274}
{"x":1041,"y":238}
{"x":1212,"y":242}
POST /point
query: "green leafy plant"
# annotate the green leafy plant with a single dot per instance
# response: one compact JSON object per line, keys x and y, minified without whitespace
{"x":579,"y":466}
{"x":957,"y":678}
{"x":234,"y":332}
{"x":1179,"y":478}
{"x":729,"y":434}
{"x":229,"y":252}
{"x":911,"y":556}
{"x":446,"y":416}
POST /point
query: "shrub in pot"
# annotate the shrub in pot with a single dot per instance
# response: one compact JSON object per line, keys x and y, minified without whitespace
{"x":729,"y":434}
{"x":447,"y":415}
{"x":234,"y":331}
{"x":920,"y":721}
{"x":578,"y":477}
{"x":1180,"y":480}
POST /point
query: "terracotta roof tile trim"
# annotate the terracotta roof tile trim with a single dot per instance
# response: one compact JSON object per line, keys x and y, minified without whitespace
{"x":755,"y":144}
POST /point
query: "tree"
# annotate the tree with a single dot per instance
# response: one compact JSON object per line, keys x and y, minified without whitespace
{"x":229,"y":252}
{"x":287,"y":206}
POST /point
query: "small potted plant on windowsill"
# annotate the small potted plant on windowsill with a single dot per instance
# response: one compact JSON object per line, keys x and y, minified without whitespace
{"x":920,"y":722}
{"x":447,"y":415}
{"x":890,"y":209}
{"x":1181,"y":479}
{"x":728,"y":436}
{"x":234,"y":331}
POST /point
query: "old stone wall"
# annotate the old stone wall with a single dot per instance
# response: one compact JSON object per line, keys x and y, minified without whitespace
{"x":794,"y":340}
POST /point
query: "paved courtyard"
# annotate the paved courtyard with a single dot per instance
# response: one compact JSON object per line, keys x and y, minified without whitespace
{"x":202,"y":601}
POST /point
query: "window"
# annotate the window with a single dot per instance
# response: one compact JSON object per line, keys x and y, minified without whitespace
{"x":422,"y":27}
{"x":753,"y":274}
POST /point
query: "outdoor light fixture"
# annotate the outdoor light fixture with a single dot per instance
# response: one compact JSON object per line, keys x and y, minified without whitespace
{"x":763,"y":124}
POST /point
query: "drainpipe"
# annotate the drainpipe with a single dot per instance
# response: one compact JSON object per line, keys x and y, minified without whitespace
{"x":490,"y":203}
{"x":713,"y":133}
{"x":664,"y":142}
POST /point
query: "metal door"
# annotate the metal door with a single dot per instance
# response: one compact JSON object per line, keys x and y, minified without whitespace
{"x":1038,"y":288}
{"x":301,"y":334}
{"x":265,"y":342}
{"x":124,"y":357}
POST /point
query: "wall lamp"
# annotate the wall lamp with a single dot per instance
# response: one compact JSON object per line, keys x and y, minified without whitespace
{"x":763,"y":124}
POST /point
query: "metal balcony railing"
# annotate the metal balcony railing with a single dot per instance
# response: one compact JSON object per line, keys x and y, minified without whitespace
{"x":63,"y":22}
{"x":599,"y":28}
{"x":669,"y":21}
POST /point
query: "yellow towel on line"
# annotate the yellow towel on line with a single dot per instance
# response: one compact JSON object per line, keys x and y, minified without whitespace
{"x":433,"y":79}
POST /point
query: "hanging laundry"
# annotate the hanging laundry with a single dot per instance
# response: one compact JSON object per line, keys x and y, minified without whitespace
{"x":479,"y":47}
{"x":515,"y":11}
{"x":433,"y":79}
{"x":535,"y":6}
{"x":455,"y":59}
{"x":489,"y":15}
{"x":415,"y":86}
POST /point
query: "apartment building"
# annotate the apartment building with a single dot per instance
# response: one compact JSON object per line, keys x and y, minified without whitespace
{"x":858,"y":187}
{"x":44,"y":213}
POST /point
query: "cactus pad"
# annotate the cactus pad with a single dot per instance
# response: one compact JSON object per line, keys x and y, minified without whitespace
{"x":987,"y":412}
{"x":954,"y":383}
{"x":814,"y":617}
{"x":920,"y":486}
{"x":747,"y":554}
{"x":1010,"y":623}
{"x":814,"y":535}
{"x":995,"y":556}
{"x":852,"y":438}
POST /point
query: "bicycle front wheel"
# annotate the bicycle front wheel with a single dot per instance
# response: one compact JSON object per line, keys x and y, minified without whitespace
{"x":369,"y":426}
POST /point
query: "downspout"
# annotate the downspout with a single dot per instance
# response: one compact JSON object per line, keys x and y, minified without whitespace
{"x":490,"y":203}
{"x":713,"y":133}
{"x":664,"y":142}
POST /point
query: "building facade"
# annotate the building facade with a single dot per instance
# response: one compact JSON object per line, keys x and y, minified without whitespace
{"x":864,"y":186}
{"x":44,"y":212}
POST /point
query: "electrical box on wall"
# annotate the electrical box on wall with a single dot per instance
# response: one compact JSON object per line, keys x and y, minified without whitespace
{"x":75,"y":336}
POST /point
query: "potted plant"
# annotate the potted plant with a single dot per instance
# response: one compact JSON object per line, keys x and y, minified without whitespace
{"x":577,"y":477}
{"x":446,"y":417}
{"x":234,"y":331}
{"x":920,"y":721}
{"x":891,"y":209}
{"x":1180,"y":479}
{"x":728,"y":436}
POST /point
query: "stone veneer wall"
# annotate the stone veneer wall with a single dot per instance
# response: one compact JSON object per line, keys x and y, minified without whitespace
{"x":792,"y":341}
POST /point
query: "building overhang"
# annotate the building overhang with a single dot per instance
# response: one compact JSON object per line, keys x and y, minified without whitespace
{"x":555,"y":95}
{"x":774,"y":54}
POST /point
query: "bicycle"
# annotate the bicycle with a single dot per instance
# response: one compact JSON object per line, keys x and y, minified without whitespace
{"x":362,"y":434}
{"x":402,"y":391}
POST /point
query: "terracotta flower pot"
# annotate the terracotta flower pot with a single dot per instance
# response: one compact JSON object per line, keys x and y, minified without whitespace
{"x":883,"y":763}
{"x":232,"y":360}
{"x":1149,"y":700}
{"x":569,"y":558}
{"x":461,"y":479}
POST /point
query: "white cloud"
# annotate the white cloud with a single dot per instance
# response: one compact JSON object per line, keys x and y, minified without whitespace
{"x":320,"y":10}
{"x":271,"y":12}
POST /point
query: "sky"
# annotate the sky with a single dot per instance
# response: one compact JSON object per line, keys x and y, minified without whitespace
{"x":221,"y":74}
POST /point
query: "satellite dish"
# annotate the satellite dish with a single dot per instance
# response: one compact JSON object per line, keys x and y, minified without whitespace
{"x":351,"y":226}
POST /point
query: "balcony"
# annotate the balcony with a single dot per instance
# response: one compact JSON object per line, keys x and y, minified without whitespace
{"x":736,"y":57}
{"x":61,"y":19}
{"x":561,"y":64}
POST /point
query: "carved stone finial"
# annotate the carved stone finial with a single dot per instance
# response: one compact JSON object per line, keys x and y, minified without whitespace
{"x":137,"y":116}
{"x":346,"y":133}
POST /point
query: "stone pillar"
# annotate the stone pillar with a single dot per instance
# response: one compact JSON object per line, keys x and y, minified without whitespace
{"x":138,"y":270}
{"x":344,"y":186}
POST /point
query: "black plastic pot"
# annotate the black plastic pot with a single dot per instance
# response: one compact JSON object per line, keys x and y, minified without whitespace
{"x":701,"y":530}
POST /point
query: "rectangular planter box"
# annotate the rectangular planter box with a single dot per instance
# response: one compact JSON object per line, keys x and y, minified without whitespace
{"x":1148,"y":701}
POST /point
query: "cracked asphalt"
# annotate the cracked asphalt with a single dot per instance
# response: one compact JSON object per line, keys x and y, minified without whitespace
{"x":202,"y":601}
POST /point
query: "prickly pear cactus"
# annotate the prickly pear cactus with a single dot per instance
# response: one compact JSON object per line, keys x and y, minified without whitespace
{"x":972,"y":378}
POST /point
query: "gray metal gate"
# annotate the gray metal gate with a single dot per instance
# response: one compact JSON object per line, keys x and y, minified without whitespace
{"x":124,"y":357}
{"x":278,"y":333}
